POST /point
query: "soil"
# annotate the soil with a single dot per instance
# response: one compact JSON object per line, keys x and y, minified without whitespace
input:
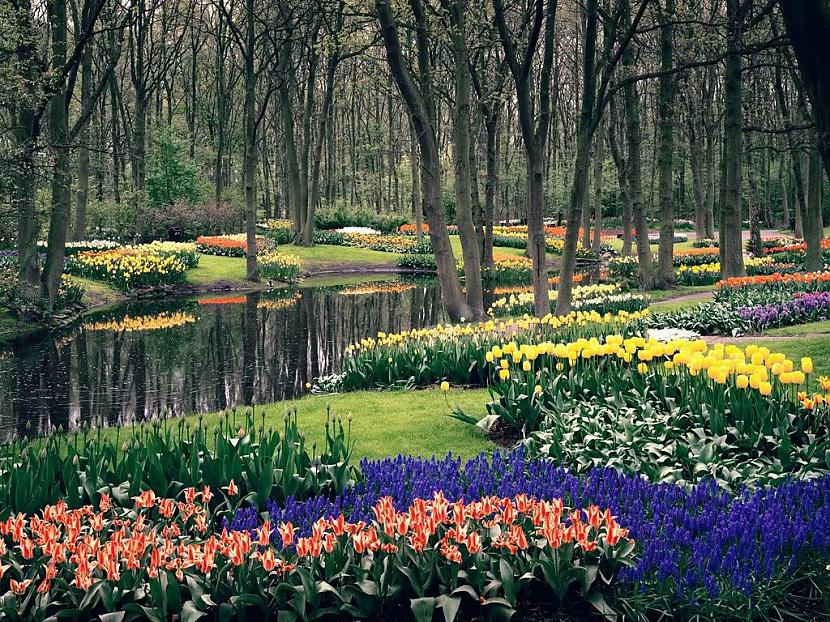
{"x":503,"y":435}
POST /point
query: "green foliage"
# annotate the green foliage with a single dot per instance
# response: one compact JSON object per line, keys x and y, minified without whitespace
{"x":171,"y":175}
{"x":167,"y":458}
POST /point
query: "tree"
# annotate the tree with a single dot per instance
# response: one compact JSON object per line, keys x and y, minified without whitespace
{"x":421,"y":106}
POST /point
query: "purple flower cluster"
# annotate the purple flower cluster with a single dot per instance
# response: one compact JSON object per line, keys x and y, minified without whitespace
{"x":698,"y":540}
{"x":804,"y":308}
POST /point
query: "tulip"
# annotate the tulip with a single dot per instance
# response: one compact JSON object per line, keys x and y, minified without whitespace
{"x":445,"y":386}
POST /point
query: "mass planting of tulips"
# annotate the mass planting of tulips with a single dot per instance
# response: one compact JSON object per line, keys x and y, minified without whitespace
{"x":600,"y":298}
{"x":226,"y":245}
{"x":456,"y":353}
{"x":278,"y":266}
{"x":163,"y":557}
{"x":134,"y":267}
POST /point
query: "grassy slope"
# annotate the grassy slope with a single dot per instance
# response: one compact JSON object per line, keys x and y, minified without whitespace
{"x":214,"y":268}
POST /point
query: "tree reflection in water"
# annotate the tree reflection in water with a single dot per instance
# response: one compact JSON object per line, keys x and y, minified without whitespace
{"x":142,"y":360}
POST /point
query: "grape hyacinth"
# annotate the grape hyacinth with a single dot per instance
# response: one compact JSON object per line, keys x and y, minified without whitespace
{"x":697,"y":539}
{"x":803,"y":308}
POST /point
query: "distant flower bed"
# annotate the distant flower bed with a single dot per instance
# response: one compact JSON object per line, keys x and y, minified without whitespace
{"x":358,"y":230}
{"x":226,"y":245}
{"x":678,"y":238}
{"x":73,"y":248}
{"x":695,"y":256}
{"x":279,"y":266}
{"x":131,"y":267}
{"x":762,"y":289}
{"x":279,"y":230}
{"x":709,"y":273}
{"x":599,"y":298}
{"x":705,"y":243}
{"x":803,"y":308}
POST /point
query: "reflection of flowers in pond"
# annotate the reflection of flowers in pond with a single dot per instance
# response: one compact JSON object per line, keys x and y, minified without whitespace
{"x":232,"y":300}
{"x":160,"y":321}
{"x":279,"y":303}
{"x":384,"y":287}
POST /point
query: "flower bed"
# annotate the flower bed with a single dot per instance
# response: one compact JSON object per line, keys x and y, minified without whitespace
{"x":705,"y":243}
{"x":700,"y":550}
{"x":227,"y":245}
{"x":164,"y":553}
{"x":695,"y":256}
{"x":804,"y":308}
{"x":279,"y":266}
{"x":754,"y":290}
{"x":599,"y":298}
{"x":135,"y":267}
{"x":457,"y":352}
{"x":709,"y":273}
{"x":73,"y":248}
{"x":679,"y":238}
{"x":279,"y":230}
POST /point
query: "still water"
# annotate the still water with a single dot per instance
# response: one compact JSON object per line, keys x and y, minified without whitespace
{"x":176,"y":356}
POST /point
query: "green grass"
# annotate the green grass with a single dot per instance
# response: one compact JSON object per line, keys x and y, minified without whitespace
{"x":455,"y":242}
{"x":386,"y":423}
{"x":815,"y":347}
{"x":214,"y":268}
{"x":822,"y":328}
{"x":326,"y":256}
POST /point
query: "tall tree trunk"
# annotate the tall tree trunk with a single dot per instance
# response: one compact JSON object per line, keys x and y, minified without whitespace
{"x":470,"y":245}
{"x":635,"y":183}
{"x":59,"y":139}
{"x":82,"y":195}
{"x":813,"y":226}
{"x":599,"y":157}
{"x":491,"y":126}
{"x":755,"y":244}
{"x":250,"y":164}
{"x":621,"y":165}
{"x":418,"y":99}
{"x":665,"y":148}
{"x":579,"y":189}
{"x":417,"y":201}
{"x":731,"y":248}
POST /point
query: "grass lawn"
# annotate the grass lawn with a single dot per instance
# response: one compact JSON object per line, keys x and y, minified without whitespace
{"x":213,"y":268}
{"x":386,"y":423}
{"x":816,"y":348}
{"x":822,"y":328}
{"x":325,"y":256}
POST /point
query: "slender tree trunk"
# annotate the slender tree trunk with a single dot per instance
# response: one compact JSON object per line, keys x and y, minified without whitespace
{"x":621,"y":165}
{"x":579,"y":189}
{"x":82,"y":195}
{"x":635,"y":184}
{"x":59,"y":139}
{"x":250,"y":164}
{"x":470,"y":245}
{"x":813,"y":226}
{"x":731,"y":248}
{"x":491,"y":187}
{"x":665,"y":149}
{"x":599,"y":157}
{"x":417,"y":201}
{"x":418,"y":100}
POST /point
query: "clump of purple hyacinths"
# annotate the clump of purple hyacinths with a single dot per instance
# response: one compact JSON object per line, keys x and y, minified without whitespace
{"x":803,"y":308}
{"x":694,"y":543}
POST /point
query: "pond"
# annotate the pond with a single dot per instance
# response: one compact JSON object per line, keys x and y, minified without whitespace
{"x":176,"y":356}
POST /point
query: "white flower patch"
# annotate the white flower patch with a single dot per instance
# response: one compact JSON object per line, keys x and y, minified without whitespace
{"x":672,"y":334}
{"x":359,"y":230}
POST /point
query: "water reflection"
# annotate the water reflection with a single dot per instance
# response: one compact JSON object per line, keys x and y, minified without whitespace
{"x":139,"y":360}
